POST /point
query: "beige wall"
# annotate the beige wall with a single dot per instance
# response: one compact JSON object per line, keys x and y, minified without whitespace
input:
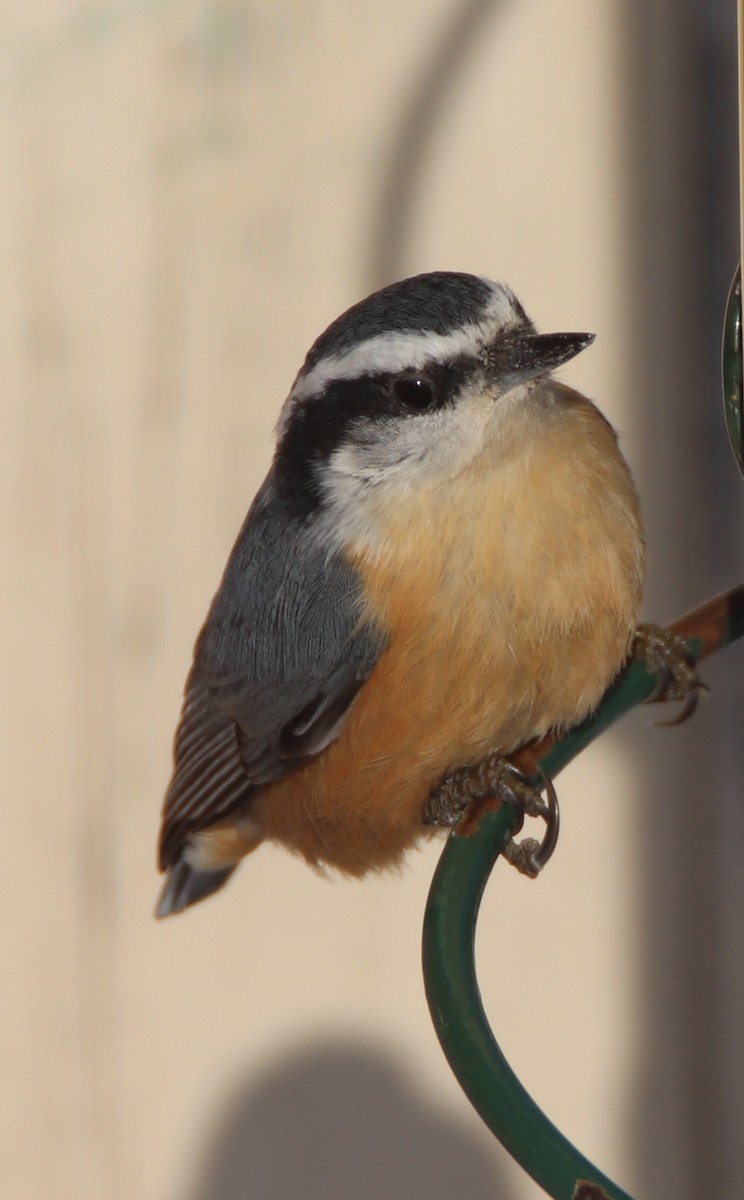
{"x":189,"y":193}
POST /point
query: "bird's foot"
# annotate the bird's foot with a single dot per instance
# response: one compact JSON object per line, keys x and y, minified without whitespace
{"x":668,"y":657}
{"x":497,"y":781}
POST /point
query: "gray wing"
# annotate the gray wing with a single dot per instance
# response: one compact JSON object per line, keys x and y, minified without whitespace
{"x":276,"y":667}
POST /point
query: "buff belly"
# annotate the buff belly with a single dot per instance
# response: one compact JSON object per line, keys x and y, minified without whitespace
{"x":509,"y":608}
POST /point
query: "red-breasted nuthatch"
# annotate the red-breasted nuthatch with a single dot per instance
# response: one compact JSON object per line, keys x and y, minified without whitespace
{"x":446,"y":559}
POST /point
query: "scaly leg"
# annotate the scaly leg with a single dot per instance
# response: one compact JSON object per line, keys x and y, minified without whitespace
{"x":497,"y":780}
{"x":667,"y":656}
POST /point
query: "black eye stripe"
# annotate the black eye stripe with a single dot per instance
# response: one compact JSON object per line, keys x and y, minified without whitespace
{"x":415,"y":392}
{"x":319,"y":424}
{"x":433,"y":386}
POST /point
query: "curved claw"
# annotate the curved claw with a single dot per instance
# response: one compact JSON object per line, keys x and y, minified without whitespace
{"x":530,"y":856}
{"x":497,"y":779}
{"x":689,"y":705}
{"x":552,"y":824}
{"x":663,"y":679}
{"x":509,"y":796}
{"x":668,"y":657}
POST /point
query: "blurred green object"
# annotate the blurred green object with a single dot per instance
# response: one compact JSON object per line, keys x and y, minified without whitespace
{"x":733,"y":403}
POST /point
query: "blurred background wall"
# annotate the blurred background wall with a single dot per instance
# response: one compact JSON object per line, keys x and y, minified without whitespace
{"x":189,"y":192}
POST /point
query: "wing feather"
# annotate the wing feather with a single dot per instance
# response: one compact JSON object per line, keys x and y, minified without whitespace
{"x":276,"y":669}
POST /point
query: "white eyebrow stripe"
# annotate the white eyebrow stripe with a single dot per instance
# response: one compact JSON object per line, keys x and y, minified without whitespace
{"x":386,"y":352}
{"x":413,"y":348}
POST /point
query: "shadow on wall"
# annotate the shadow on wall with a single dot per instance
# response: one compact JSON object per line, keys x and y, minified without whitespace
{"x":420,"y":120}
{"x":680,"y":98}
{"x":337,"y":1121}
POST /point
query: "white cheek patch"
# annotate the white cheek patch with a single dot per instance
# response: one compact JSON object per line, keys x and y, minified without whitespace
{"x":382,"y":462}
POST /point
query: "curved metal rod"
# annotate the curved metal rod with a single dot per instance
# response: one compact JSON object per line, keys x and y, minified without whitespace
{"x":449,"y":932}
{"x":731,"y":367}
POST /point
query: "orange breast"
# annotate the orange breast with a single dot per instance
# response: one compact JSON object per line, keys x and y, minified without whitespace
{"x":510,"y":596}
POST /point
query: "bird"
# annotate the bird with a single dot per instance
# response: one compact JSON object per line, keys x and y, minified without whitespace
{"x":445,"y":561}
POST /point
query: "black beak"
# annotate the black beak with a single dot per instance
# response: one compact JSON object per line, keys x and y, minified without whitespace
{"x":522,"y":355}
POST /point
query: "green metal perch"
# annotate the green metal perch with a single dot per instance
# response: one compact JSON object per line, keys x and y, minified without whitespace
{"x":449,"y":932}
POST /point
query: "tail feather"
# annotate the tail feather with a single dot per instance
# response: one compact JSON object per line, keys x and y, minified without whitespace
{"x":185,"y":886}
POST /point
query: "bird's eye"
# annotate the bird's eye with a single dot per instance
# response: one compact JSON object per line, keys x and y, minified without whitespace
{"x":416,"y":393}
